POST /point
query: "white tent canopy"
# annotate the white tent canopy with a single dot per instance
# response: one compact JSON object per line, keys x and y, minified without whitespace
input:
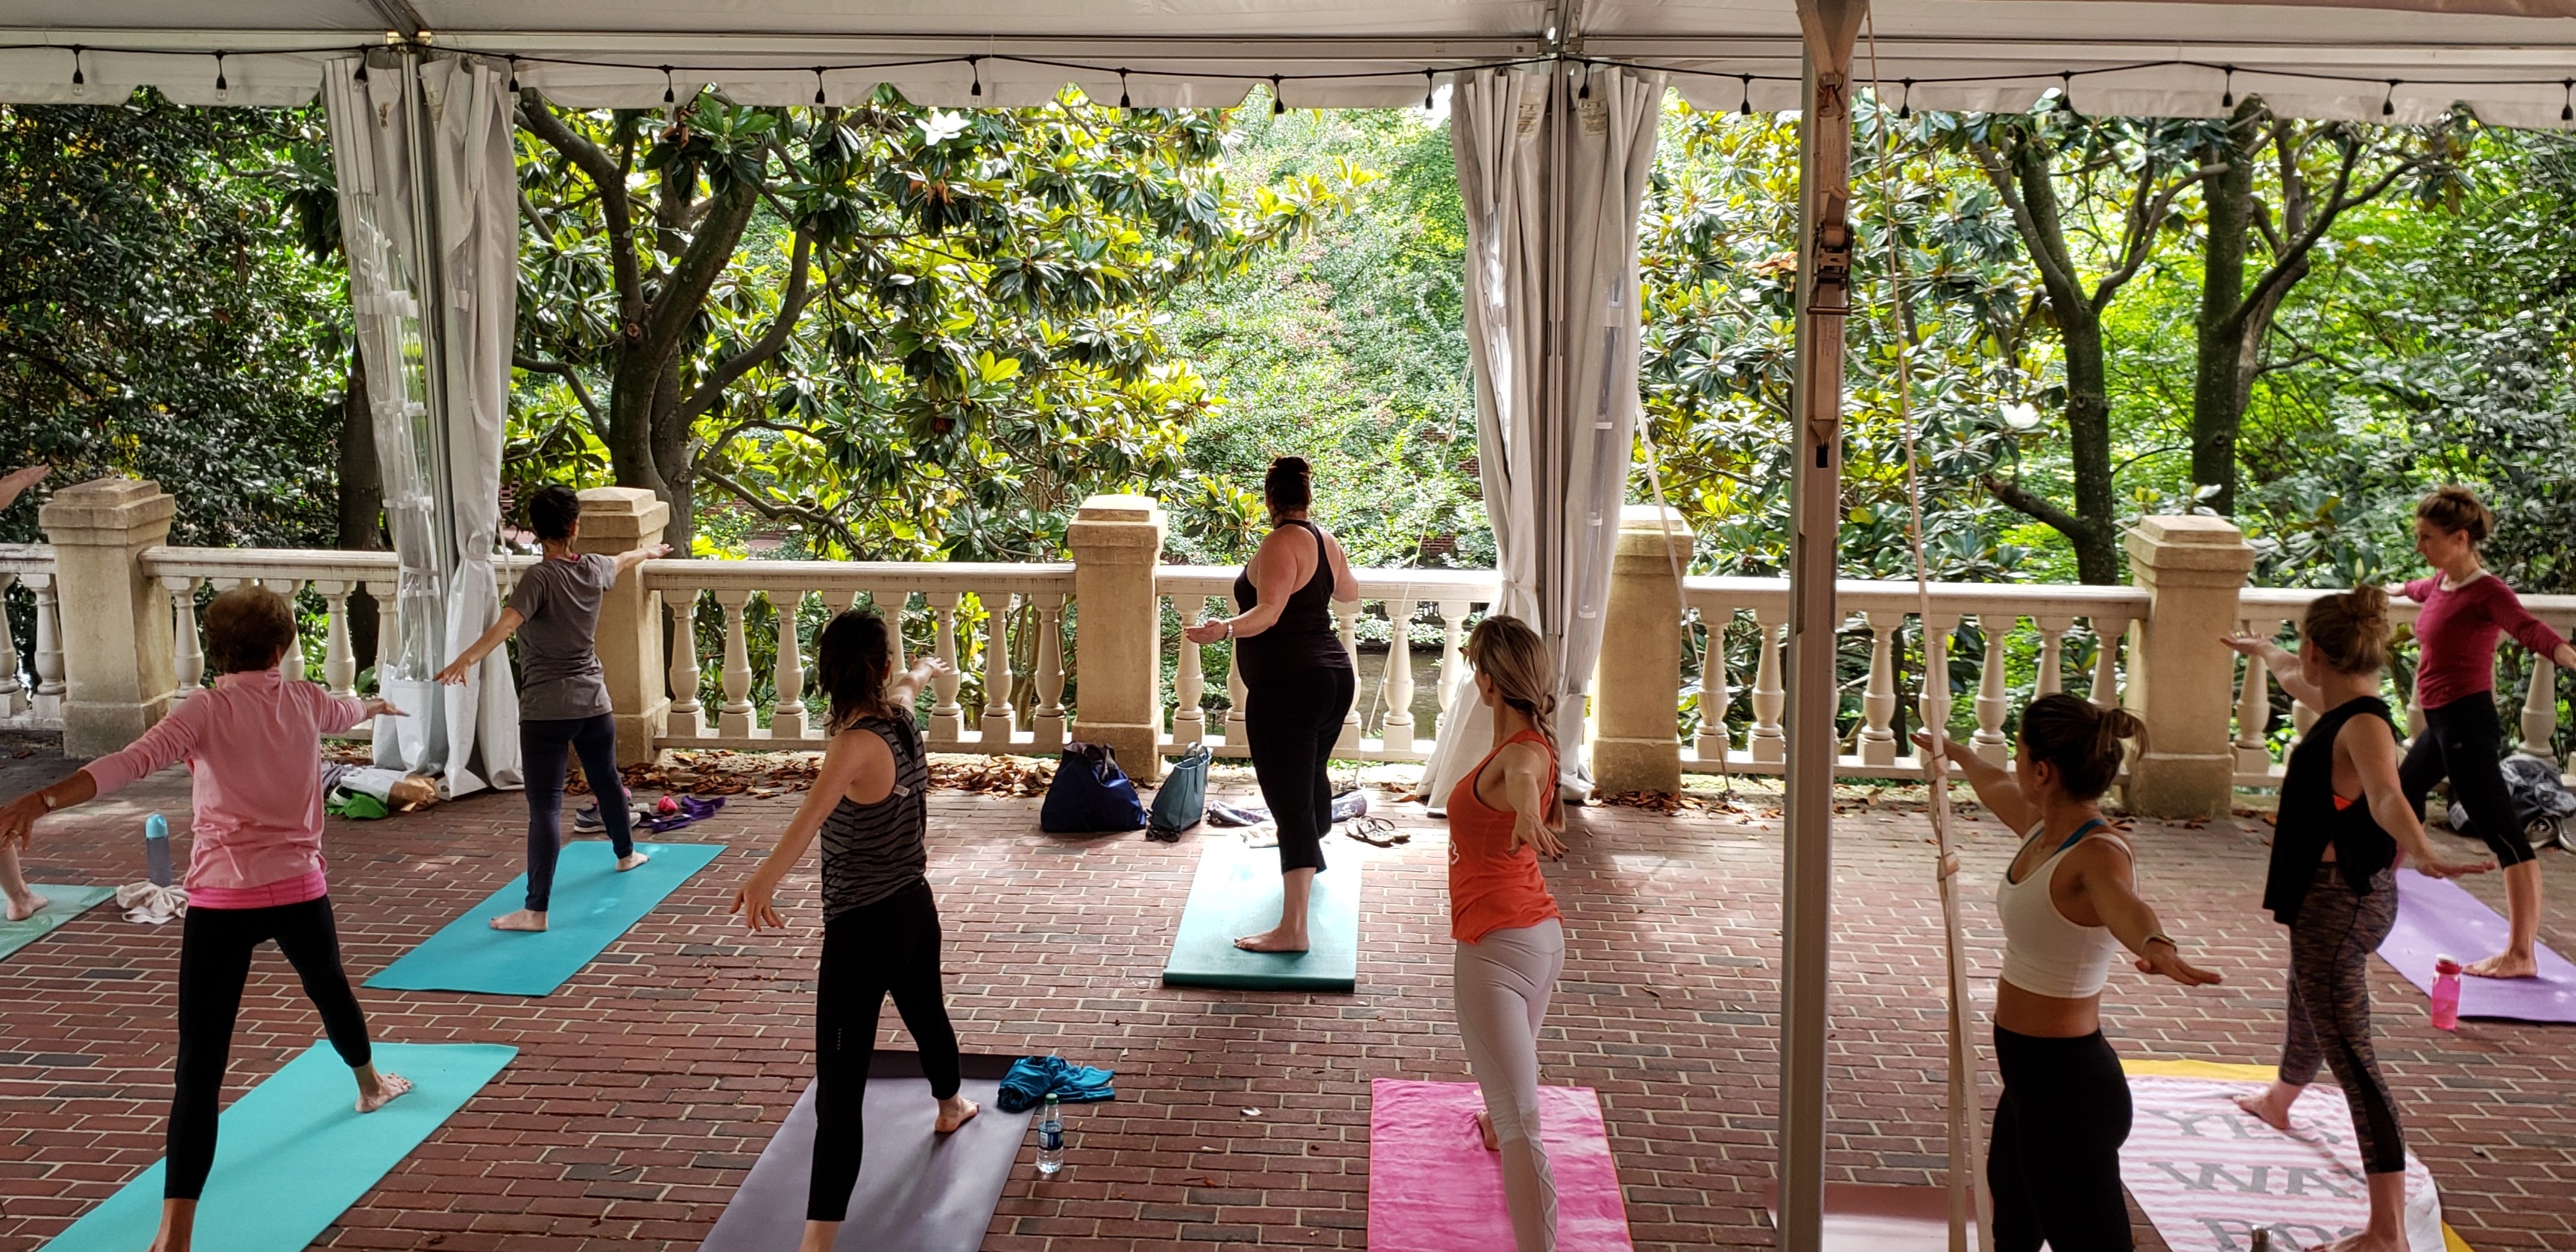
{"x":2506,"y":59}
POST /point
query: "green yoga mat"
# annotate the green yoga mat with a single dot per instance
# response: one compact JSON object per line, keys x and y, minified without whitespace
{"x":68,"y":903}
{"x":593,"y":904}
{"x":293,"y":1155}
{"x":1237,"y":893}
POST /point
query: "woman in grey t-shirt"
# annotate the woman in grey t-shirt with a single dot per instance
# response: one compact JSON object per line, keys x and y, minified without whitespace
{"x":563,"y":699}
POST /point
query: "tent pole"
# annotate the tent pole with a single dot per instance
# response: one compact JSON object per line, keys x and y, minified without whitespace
{"x":1831,"y":28}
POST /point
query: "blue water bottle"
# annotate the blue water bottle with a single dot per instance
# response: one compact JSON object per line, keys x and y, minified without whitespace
{"x":156,"y":849}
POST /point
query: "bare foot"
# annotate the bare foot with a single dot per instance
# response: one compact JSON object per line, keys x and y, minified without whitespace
{"x":956,"y":1111}
{"x":1485,"y":1128}
{"x":524,"y":919}
{"x":2504,"y":965}
{"x":23,"y":907}
{"x":388,"y":1086}
{"x":1277,"y":939}
{"x":2272,"y":1107}
{"x":630,"y":861}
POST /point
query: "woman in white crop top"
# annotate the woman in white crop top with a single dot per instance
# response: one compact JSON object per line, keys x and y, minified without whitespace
{"x":2069,"y":903}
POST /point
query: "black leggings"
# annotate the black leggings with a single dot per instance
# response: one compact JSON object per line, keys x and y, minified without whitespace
{"x":889,"y":946}
{"x":544,"y":748}
{"x":214,"y":961}
{"x":1290,"y":723}
{"x":2055,"y":1162}
{"x":2330,"y":947}
{"x":2463,"y":741}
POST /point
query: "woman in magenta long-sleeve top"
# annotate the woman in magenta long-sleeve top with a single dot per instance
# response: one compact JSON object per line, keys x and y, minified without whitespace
{"x":255,"y":870}
{"x":2465,"y":611}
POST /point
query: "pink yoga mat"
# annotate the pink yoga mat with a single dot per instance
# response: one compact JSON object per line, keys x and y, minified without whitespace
{"x":2208,"y":1174}
{"x":1434,"y":1188}
{"x":2436,"y":918}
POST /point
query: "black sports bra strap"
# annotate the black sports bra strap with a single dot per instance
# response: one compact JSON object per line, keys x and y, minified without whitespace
{"x":2080,"y":831}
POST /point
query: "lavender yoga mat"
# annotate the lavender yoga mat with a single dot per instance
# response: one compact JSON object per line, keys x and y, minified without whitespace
{"x":1434,"y":1188}
{"x":2436,"y":918}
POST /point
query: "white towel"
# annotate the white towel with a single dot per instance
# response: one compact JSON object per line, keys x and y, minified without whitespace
{"x":151,"y":902}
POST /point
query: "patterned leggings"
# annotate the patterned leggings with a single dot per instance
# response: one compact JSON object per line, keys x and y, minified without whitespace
{"x":2330,"y":947}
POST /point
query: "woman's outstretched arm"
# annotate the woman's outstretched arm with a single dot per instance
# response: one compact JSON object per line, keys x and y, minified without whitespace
{"x":1995,"y":786}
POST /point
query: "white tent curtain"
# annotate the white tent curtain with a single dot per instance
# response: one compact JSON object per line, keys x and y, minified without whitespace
{"x":421,"y":148}
{"x":1552,"y":164}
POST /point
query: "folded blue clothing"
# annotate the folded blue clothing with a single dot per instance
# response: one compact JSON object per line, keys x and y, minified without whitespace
{"x":1033,"y":1078}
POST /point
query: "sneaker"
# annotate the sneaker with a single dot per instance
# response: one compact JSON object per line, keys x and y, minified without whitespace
{"x":589,"y":819}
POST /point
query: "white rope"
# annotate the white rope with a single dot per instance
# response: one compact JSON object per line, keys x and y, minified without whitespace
{"x":1969,"y":1198}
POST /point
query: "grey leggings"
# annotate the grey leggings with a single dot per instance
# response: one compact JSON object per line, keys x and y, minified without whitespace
{"x":2330,"y":947}
{"x":1501,"y":985}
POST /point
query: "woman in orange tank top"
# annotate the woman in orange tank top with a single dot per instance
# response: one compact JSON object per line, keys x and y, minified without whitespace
{"x":1511,"y":948}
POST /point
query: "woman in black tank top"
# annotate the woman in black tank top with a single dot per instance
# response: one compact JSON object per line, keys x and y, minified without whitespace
{"x":1298,"y":685}
{"x":880,"y":924}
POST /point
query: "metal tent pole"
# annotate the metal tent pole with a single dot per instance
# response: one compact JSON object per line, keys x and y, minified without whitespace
{"x":1831,"y":27}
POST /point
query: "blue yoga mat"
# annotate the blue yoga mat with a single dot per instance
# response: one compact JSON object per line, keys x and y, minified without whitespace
{"x":294,"y":1154}
{"x":1237,"y":893}
{"x":68,"y":903}
{"x":593,"y":904}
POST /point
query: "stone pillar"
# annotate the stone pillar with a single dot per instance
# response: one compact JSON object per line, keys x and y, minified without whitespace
{"x":2181,"y":678}
{"x":1636,"y":691}
{"x":116,"y":622}
{"x":614,"y":520}
{"x":1118,"y":630}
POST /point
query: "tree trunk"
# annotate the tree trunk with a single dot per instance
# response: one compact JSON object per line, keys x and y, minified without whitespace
{"x":362,"y":500}
{"x":2088,"y":431}
{"x":2219,"y":383}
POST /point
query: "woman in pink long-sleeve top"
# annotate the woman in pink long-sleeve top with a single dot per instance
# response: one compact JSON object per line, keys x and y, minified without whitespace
{"x":255,"y":869}
{"x":2465,"y":610}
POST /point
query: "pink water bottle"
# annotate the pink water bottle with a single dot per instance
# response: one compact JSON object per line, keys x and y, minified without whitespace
{"x":2446,"y":993}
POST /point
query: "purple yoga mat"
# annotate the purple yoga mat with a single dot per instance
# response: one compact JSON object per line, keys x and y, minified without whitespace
{"x":2435,"y":918}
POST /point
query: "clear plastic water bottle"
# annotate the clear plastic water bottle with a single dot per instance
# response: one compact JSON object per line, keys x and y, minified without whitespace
{"x":1050,"y":1139}
{"x":2446,"y":993}
{"x":156,"y":850}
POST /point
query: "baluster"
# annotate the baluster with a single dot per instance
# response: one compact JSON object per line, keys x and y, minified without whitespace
{"x":890,"y":603}
{"x":2107,"y":631}
{"x":2254,"y":706}
{"x":1347,"y":625}
{"x":995,"y":730}
{"x":292,"y":664}
{"x":735,"y":720}
{"x":1395,"y":733}
{"x":1714,"y":741}
{"x":1047,"y":728}
{"x":787,"y":716}
{"x":388,"y":631}
{"x":2052,"y":654}
{"x":1768,"y":742}
{"x":1993,"y":702}
{"x":187,"y":659}
{"x":1189,"y":721}
{"x":13,"y":698}
{"x":688,"y":716}
{"x":339,"y":660}
{"x":1932,"y":702}
{"x":1234,"y":733}
{"x":2540,"y":711}
{"x":1877,"y":742}
{"x":947,"y":717}
{"x":1453,"y":659}
{"x":49,"y":646}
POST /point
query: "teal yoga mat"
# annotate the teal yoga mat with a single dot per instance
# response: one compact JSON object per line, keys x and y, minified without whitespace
{"x":293,"y":1155}
{"x":68,"y":903}
{"x":1237,"y":893}
{"x":593,"y":904}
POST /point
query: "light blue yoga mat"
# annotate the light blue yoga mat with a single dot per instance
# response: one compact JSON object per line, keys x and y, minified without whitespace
{"x":68,"y":903}
{"x":592,"y":905}
{"x":294,"y":1154}
{"x":1237,"y":893}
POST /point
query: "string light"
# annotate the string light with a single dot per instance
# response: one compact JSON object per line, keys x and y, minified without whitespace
{"x":514,"y":76}
{"x":1122,"y":90}
{"x":1584,"y":92}
{"x":974,"y":66}
{"x":361,"y":75}
{"x":2066,"y":91}
{"x":80,"y":81}
{"x":1278,"y":104}
{"x":1905,"y":103}
{"x":2227,"y":99}
{"x":818,"y":85}
{"x":1744,"y":108}
{"x":221,"y":86}
{"x":2567,"y":111}
{"x":670,"y":89}
{"x":2388,"y":103}
{"x":1430,"y":86}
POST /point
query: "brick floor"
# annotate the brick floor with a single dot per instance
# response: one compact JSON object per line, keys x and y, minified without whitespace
{"x":644,"y":1088}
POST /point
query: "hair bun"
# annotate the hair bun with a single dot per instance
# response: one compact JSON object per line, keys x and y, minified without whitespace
{"x":2369,"y":602}
{"x":1292,"y":465}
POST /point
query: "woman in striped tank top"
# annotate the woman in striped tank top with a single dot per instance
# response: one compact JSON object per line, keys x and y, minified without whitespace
{"x":870,"y":804}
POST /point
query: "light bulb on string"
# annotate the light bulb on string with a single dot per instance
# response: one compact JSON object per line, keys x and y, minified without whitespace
{"x":974,"y":67}
{"x":1278,"y":104}
{"x":80,"y":81}
{"x":2227,"y":98}
{"x":1905,"y":103}
{"x":670,"y":89}
{"x":2388,"y":103}
{"x":818,"y":85}
{"x":221,"y":87}
{"x":1122,"y":90}
{"x":514,"y":76}
{"x":2066,"y":91}
{"x":2567,"y":111}
{"x":1430,"y":87}
{"x":1745,"y":107}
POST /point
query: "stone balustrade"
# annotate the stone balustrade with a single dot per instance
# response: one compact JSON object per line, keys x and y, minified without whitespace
{"x":1043,"y":654}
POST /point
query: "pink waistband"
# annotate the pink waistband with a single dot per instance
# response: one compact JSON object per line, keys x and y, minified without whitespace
{"x":268,"y":895}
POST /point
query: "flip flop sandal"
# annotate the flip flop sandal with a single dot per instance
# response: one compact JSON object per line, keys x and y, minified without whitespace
{"x":1377,"y":832}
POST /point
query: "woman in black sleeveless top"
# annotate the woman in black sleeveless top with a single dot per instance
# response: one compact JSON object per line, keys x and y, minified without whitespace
{"x":1297,"y":684}
{"x":2344,"y":816}
{"x":870,"y":804}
